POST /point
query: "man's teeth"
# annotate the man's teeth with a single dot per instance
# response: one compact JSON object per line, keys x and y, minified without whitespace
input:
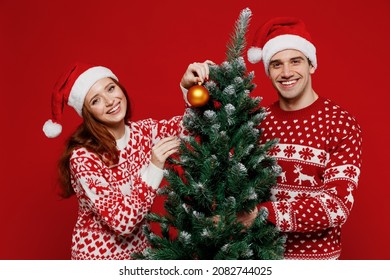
{"x":289,"y":82}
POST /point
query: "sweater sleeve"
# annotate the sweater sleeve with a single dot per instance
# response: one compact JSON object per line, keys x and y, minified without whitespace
{"x":332,"y":206}
{"x":99,"y":191}
{"x":152,"y":175}
{"x":159,"y":129}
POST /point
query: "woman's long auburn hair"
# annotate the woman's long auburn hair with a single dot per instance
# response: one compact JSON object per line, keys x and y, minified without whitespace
{"x":95,"y":137}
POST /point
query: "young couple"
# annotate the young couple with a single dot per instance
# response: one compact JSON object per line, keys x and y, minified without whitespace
{"x":114,"y":165}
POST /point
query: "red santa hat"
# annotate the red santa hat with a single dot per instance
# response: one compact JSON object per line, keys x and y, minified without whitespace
{"x":71,"y":88}
{"x":280,"y":34}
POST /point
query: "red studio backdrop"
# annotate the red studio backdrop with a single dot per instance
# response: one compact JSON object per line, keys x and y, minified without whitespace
{"x":149,"y":44}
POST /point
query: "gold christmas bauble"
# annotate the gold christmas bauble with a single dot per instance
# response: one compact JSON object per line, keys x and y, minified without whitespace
{"x":198,"y":96}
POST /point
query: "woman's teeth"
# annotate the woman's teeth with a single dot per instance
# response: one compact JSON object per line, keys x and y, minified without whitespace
{"x":113,"y":109}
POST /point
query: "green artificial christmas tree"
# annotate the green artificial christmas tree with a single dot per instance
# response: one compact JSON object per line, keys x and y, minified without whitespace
{"x":221,"y":171}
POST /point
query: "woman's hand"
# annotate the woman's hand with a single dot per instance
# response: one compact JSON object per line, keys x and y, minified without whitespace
{"x":163,"y":149}
{"x":195,"y":73}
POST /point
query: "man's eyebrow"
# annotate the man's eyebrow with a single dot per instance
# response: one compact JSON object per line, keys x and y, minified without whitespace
{"x":297,"y":57}
{"x":293,"y":58}
{"x":275,"y":60}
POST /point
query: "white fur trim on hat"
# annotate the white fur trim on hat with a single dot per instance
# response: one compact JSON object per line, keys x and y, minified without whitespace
{"x":52,"y":129}
{"x":254,"y":54}
{"x":288,"y":41}
{"x":84,"y":82}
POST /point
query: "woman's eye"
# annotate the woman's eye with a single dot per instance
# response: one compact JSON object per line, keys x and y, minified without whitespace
{"x":111,"y":88}
{"x":95,"y":101}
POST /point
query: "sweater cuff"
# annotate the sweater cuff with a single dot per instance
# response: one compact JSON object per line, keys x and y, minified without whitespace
{"x":152,"y":175}
{"x":185,"y":91}
{"x":271,"y":212}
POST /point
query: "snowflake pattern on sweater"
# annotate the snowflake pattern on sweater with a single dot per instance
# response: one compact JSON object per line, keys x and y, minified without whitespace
{"x":319,"y":151}
{"x":113,"y":200}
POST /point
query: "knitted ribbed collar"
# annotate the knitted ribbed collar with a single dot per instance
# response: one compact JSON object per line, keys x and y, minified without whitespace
{"x":302,"y":113}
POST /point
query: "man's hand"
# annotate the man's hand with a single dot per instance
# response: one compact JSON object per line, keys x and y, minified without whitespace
{"x":195,"y":73}
{"x":247,"y":219}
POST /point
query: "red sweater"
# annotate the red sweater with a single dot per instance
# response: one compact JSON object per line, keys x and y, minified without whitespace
{"x":319,"y":151}
{"x":113,"y":200}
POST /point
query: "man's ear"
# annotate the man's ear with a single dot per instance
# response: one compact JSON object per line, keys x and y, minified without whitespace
{"x":312,"y":69}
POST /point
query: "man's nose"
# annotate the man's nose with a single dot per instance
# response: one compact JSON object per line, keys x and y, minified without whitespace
{"x":286,"y":71}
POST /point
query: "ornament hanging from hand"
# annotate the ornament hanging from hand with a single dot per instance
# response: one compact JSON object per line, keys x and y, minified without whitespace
{"x":198,"y":95}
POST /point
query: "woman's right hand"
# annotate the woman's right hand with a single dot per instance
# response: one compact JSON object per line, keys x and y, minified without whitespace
{"x":163,"y":149}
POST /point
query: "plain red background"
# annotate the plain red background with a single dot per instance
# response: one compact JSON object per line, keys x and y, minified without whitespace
{"x":149,"y":44}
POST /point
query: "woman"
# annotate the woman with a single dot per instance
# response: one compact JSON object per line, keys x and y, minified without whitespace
{"x":113,"y":165}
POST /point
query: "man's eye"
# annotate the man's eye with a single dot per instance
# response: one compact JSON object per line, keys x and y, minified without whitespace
{"x":296,"y":61}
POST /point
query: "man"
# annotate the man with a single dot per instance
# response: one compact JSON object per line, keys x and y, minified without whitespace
{"x":319,"y":148}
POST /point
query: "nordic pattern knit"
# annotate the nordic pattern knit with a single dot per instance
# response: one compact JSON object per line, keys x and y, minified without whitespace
{"x":319,"y":151}
{"x":113,"y":200}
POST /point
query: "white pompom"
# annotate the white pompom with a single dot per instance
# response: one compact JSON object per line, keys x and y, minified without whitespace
{"x":52,"y":129}
{"x":254,"y":55}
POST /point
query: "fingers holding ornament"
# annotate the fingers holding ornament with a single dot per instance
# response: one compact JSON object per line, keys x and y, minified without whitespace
{"x":197,"y":72}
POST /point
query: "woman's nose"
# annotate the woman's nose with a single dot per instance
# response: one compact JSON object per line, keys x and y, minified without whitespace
{"x":109,"y":101}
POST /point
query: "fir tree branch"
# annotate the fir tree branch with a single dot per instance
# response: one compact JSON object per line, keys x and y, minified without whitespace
{"x":237,"y":44}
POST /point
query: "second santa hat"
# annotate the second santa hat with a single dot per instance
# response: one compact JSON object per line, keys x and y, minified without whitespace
{"x":278,"y":34}
{"x":71,"y":89}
